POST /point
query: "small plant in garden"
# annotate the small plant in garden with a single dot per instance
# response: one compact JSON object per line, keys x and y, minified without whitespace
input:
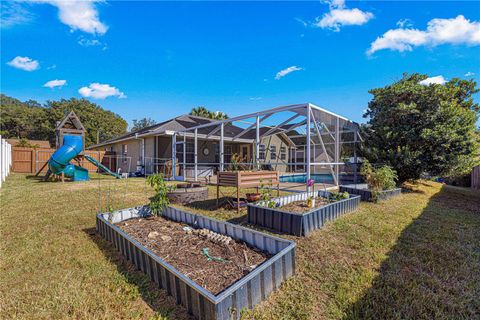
{"x":234,"y":162}
{"x":110,"y":212}
{"x":266,"y":198}
{"x":159,"y":201}
{"x":237,"y":162}
{"x":310,"y":202}
{"x":337,"y":196}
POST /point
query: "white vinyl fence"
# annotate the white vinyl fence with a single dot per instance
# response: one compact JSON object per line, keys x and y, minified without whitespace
{"x":5,"y":159}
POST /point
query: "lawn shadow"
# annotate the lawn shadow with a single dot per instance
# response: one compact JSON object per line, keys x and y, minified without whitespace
{"x":157,"y":299}
{"x":39,"y":178}
{"x":208,"y":205}
{"x":433,"y":271}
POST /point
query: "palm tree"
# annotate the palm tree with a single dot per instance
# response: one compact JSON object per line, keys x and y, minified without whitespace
{"x":204,"y":112}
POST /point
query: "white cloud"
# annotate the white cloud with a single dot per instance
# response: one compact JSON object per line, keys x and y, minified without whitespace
{"x":282,"y":73}
{"x":340,"y":16}
{"x":79,"y":15}
{"x":53,"y":66}
{"x":433,"y":80}
{"x":404,"y":23}
{"x":100,"y":91}
{"x":55,"y":83}
{"x":439,"y":31}
{"x":24,"y":63}
{"x":13,"y":13}
{"x":84,"y":42}
{"x":255,"y":98}
{"x":302,"y":22}
{"x":469,"y":74}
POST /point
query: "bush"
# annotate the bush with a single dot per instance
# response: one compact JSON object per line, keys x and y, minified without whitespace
{"x":379,"y":179}
{"x":337,"y":196}
{"x":159,"y":201}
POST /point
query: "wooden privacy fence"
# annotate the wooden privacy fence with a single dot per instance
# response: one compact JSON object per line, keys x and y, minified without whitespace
{"x":31,"y":160}
{"x":476,"y":177}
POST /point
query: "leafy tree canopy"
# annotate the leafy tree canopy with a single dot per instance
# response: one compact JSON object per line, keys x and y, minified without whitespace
{"x":204,"y":112}
{"x":142,"y":123}
{"x":31,"y":120}
{"x":419,"y":129}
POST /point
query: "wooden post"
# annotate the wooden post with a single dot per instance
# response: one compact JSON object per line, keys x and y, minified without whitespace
{"x":218,"y":192}
{"x":44,"y":165}
{"x":238,"y":199}
{"x":32,"y":163}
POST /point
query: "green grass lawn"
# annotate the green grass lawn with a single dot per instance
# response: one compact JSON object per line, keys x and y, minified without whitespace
{"x":414,"y":256}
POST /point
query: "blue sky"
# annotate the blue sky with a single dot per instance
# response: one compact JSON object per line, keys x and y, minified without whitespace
{"x":160,"y":59}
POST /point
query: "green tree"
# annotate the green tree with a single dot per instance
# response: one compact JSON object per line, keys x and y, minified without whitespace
{"x":23,"y":119}
{"x":204,"y":112}
{"x":419,"y":129}
{"x":142,"y":123}
{"x":31,"y":120}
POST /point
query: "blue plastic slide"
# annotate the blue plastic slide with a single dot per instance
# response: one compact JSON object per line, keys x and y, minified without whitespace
{"x":60,"y":161}
{"x":101,"y":166}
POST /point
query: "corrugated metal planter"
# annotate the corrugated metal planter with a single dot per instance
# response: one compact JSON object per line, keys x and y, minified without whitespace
{"x":245,"y":293}
{"x":367,"y":195}
{"x":296,"y":223}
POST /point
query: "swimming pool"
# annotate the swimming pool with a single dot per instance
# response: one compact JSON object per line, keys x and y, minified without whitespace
{"x":302,"y":178}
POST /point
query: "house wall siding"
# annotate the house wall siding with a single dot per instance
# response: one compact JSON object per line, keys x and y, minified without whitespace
{"x":278,"y":142}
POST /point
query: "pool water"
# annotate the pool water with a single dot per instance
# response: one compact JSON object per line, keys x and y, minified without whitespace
{"x":302,"y":178}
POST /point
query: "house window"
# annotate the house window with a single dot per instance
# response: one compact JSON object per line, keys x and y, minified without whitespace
{"x":124,"y":152}
{"x":283,"y":153}
{"x":189,"y":152}
{"x":227,"y":154}
{"x":273,"y":152}
{"x":261,"y":152}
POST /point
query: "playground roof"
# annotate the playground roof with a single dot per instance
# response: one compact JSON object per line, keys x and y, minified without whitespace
{"x":71,"y":119}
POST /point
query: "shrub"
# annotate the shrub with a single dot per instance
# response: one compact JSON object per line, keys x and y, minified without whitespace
{"x":379,"y":179}
{"x":337,"y":196}
{"x":159,"y":201}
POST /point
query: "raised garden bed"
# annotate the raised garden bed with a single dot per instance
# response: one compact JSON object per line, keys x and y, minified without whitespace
{"x":258,"y":266}
{"x":367,"y":195}
{"x":302,"y":222}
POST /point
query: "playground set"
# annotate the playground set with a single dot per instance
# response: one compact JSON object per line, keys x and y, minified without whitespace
{"x":70,"y":145}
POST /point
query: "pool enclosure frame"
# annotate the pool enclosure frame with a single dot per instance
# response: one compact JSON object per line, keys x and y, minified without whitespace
{"x":307,"y":115}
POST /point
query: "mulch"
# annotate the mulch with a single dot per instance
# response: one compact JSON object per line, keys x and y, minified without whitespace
{"x":186,"y":252}
{"x":301,"y":206}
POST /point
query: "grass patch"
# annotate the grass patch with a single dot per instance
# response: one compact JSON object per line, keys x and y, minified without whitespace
{"x":414,"y":256}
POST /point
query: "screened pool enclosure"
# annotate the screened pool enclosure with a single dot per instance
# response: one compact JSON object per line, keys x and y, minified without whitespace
{"x":301,"y":141}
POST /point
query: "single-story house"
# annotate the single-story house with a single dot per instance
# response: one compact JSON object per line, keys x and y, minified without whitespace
{"x":149,"y":149}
